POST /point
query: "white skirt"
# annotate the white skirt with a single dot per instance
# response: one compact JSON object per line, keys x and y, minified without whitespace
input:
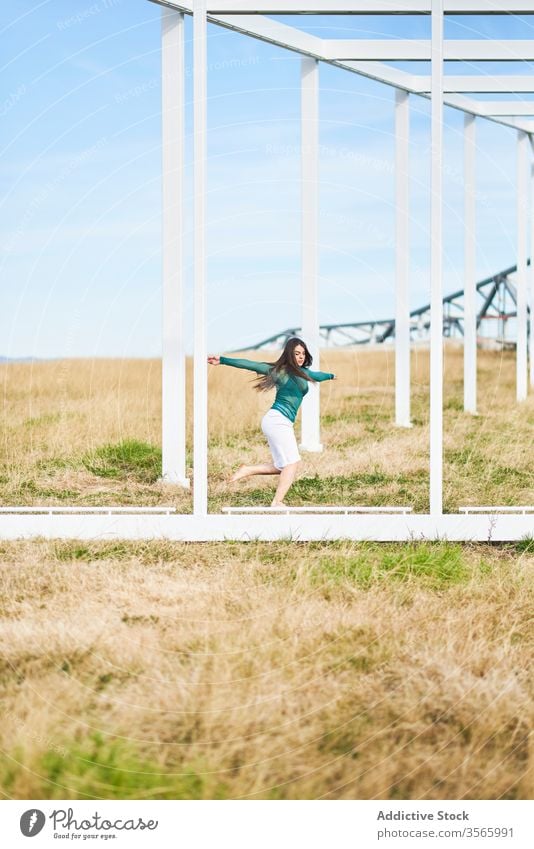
{"x":281,"y":438}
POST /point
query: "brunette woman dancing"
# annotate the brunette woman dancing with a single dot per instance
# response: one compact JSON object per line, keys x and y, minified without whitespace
{"x":290,"y":376}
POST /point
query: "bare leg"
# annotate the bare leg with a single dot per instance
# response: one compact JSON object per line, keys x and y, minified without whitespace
{"x":287,"y":476}
{"x":248,"y":471}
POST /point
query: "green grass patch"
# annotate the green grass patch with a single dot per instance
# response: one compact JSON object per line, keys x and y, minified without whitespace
{"x":525,"y":545}
{"x":468,"y":457}
{"x":434,"y":565}
{"x":337,"y":488}
{"x":53,"y":464}
{"x":107,"y":768}
{"x":241,"y":441}
{"x":346,"y":741}
{"x":318,"y":490}
{"x":372,"y":488}
{"x":146,"y":551}
{"x":127,"y":460}
{"x":329,"y":418}
{"x":507,"y":474}
{"x":46,"y":419}
{"x":31,"y":489}
{"x":75,"y":550}
{"x":455,"y":404}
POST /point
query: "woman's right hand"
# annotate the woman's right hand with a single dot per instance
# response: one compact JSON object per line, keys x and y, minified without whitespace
{"x":214,"y":361}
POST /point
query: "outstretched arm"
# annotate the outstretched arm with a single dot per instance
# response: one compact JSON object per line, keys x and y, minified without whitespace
{"x":319,"y":376}
{"x":250,"y":365}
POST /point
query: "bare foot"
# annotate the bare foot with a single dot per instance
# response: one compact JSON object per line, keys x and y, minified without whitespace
{"x":278,"y":504}
{"x":241,"y":472}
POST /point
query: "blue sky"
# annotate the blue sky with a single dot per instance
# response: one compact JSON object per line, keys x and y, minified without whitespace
{"x":80,"y":207}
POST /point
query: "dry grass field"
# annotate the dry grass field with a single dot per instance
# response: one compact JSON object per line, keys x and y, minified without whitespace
{"x":277,"y":671}
{"x":264,"y":670}
{"x":88,"y":432}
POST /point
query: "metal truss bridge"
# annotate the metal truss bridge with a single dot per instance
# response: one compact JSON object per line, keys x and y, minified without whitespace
{"x":497,"y":305}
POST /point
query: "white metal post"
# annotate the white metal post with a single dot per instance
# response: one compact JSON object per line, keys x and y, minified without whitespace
{"x":436,"y":265}
{"x":470,"y":318}
{"x":200,"y":385}
{"x":311,"y":426}
{"x":532,"y":276}
{"x":402,"y":316}
{"x":522,"y":227}
{"x":173,"y":353}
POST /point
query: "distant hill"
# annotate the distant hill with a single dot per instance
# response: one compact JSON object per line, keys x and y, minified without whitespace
{"x":18,"y":360}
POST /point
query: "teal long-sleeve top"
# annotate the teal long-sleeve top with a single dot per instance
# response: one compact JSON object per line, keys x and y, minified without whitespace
{"x":290,"y":390}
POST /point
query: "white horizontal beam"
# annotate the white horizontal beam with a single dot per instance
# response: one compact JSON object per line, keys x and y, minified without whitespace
{"x":260,"y":27}
{"x":524,"y":509}
{"x":379,"y":527}
{"x":274,"y":32}
{"x":508,"y":107}
{"x":401,"y":79}
{"x":382,"y":73}
{"x":484,"y":84}
{"x":111,"y":511}
{"x":368,"y":7}
{"x":393,"y":49}
{"x":290,"y":38}
{"x":478,"y":108}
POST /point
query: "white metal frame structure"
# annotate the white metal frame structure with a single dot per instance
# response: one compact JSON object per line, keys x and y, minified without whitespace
{"x":367,"y":58}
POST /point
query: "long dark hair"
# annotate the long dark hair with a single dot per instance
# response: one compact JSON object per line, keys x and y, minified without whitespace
{"x":286,"y":364}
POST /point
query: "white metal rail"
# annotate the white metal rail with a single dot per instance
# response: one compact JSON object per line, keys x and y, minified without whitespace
{"x":381,"y":527}
{"x":316,"y":510}
{"x":366,"y":7}
{"x":100,"y":511}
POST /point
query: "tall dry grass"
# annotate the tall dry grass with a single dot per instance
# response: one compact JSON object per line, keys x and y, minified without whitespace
{"x":59,"y":419}
{"x":320,"y":670}
{"x":282,"y":670}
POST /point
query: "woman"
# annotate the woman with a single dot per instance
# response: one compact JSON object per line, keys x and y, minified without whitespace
{"x":290,"y":375}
